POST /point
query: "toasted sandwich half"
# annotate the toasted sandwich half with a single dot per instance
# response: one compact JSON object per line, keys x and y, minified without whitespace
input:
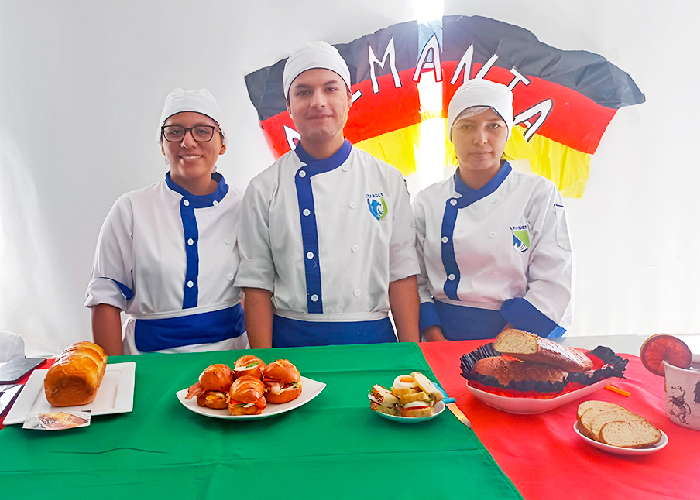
{"x":383,"y":401}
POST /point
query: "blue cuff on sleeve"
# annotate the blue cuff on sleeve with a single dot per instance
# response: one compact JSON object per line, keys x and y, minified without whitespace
{"x":428,"y":316}
{"x":524,"y":316}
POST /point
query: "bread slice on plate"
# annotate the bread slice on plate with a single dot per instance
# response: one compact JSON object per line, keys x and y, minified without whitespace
{"x":629,"y":434}
{"x":612,"y":424}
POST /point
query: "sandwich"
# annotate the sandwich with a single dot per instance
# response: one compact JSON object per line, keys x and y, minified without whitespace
{"x":211,"y":390}
{"x":282,"y":381}
{"x":411,"y":395}
{"x":383,"y":401}
{"x":247,"y":396}
{"x":249,"y":365}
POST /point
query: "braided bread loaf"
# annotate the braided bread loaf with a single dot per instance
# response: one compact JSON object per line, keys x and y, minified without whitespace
{"x":76,"y":375}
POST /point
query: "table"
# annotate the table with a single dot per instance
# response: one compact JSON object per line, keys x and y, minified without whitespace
{"x":334,"y":446}
{"x":544,"y":457}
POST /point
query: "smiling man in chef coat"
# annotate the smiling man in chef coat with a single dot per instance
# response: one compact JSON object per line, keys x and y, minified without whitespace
{"x":327,"y":243}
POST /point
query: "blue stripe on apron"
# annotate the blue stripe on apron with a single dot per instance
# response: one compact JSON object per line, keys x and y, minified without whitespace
{"x":452,"y":206}
{"x":205,"y":328}
{"x":188,"y":203}
{"x":307,"y":218}
{"x":524,"y":316}
{"x":299,"y":333}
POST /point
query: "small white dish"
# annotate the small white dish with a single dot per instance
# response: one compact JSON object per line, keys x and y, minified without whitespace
{"x":115,"y":395}
{"x":309,"y":390}
{"x":623,"y":451}
{"x":513,"y":404}
{"x":437,"y":410}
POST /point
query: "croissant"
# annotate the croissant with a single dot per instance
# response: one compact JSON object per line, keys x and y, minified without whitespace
{"x":246,"y":396}
{"x":76,"y":375}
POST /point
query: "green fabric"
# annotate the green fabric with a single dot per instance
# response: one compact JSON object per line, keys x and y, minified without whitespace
{"x":332,"y":447}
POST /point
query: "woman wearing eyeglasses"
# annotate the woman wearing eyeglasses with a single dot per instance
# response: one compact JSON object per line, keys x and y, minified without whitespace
{"x":167,"y":254}
{"x":493,"y":243}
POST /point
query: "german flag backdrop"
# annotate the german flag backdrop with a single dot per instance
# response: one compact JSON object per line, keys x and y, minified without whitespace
{"x":563,"y":100}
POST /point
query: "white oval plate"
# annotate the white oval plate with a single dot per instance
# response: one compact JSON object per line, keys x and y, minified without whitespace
{"x":437,"y":410}
{"x":512,"y":404}
{"x":623,"y":451}
{"x":309,"y":390}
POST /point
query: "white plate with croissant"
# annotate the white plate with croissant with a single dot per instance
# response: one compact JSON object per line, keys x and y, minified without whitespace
{"x":115,"y":395}
{"x":310,"y":389}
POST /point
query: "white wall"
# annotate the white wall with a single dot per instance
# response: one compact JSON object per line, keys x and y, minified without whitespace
{"x":82,"y":85}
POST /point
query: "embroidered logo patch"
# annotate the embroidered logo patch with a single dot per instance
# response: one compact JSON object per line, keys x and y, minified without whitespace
{"x":377,"y":205}
{"x":521,"y":240}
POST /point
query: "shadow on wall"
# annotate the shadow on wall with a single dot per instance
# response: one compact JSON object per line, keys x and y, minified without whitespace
{"x":31,"y":301}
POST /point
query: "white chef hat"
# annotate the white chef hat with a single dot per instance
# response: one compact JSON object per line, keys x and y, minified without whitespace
{"x":200,"y":101}
{"x":314,"y":55}
{"x":481,"y":93}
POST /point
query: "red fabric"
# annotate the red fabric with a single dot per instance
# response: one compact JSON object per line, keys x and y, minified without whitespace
{"x":547,"y":460}
{"x":575,"y":120}
{"x":368,"y":118}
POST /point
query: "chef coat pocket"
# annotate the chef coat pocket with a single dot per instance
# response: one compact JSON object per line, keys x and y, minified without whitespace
{"x":562,"y":228}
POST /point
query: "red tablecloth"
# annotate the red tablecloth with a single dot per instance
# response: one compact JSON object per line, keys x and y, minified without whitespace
{"x":547,"y":460}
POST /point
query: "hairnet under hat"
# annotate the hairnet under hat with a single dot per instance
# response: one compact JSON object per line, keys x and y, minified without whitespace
{"x":199,"y":101}
{"x":481,"y":93}
{"x":314,"y":55}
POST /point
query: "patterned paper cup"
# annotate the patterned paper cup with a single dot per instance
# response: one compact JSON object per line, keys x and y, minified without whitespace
{"x":683,"y":395}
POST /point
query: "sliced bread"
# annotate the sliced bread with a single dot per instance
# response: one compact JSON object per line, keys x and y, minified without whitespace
{"x":530,"y":347}
{"x":614,"y":425}
{"x":629,"y":434}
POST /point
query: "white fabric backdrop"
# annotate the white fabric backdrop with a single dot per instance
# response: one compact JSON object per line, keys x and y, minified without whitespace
{"x":83,"y":85}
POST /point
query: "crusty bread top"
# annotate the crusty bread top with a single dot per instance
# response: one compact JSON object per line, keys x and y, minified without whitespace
{"x":530,"y":347}
{"x":506,"y":370}
{"x":76,"y":375}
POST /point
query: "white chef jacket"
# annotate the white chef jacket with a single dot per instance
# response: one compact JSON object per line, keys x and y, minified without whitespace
{"x":355,"y":213}
{"x":164,"y":253}
{"x":510,"y":240}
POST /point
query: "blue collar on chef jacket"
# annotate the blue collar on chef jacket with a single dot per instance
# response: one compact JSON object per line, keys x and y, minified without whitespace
{"x":202,"y":201}
{"x":467,"y":196}
{"x":188,"y":203}
{"x":311,"y":166}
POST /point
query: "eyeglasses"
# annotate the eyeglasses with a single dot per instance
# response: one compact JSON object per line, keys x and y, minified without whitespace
{"x":176,"y":133}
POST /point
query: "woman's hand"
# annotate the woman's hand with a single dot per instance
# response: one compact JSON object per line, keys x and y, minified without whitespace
{"x":433,"y":334}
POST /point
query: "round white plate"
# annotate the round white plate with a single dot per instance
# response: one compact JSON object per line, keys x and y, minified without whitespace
{"x":512,"y":404}
{"x":623,"y":451}
{"x":309,"y":390}
{"x":437,"y":410}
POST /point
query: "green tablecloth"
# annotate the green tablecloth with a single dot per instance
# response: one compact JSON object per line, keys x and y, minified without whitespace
{"x":334,"y":446}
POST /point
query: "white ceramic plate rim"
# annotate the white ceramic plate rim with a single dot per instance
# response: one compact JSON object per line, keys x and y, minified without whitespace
{"x":513,"y":404}
{"x":437,"y":410}
{"x":309,"y":390}
{"x":623,"y":451}
{"x":119,"y":377}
